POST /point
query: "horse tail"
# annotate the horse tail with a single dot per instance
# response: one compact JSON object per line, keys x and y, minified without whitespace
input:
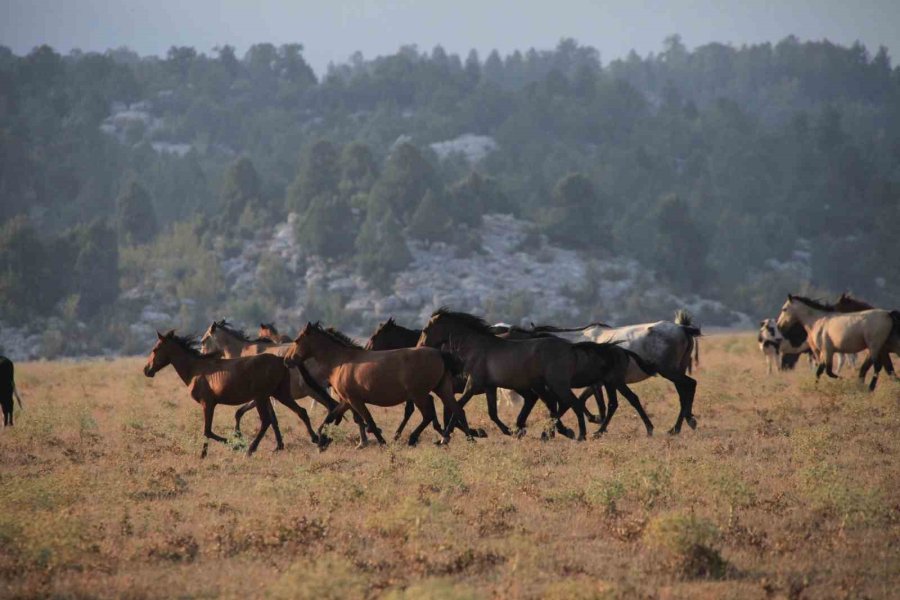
{"x":684,"y":318}
{"x":646,"y":366}
{"x":696,"y":353}
{"x":452,"y":363}
{"x":895,"y":329}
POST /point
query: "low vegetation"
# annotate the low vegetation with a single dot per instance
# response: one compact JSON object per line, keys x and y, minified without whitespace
{"x":787,"y":489}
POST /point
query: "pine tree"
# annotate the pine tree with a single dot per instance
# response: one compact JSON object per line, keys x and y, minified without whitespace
{"x":240,"y":190}
{"x":326,"y":227}
{"x":135,"y":217}
{"x":430,"y":221}
{"x":406,"y":178}
{"x":681,"y":248}
{"x":570,"y":219}
{"x":380,"y":248}
{"x":319,"y":175}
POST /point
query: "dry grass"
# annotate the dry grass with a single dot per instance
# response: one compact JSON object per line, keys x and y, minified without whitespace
{"x":785,"y":490}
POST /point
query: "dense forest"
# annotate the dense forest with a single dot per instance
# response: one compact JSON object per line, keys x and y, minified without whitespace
{"x":715,"y":167}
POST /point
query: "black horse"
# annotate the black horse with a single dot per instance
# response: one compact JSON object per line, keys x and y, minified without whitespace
{"x":8,"y":390}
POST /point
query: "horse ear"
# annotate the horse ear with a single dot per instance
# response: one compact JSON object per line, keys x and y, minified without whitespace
{"x":159,"y":335}
{"x":170,"y":334}
{"x":790,"y":297}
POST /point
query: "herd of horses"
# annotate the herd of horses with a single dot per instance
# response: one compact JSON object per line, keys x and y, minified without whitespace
{"x":457,"y":356}
{"x":825,"y":331}
{"x":454,"y":357}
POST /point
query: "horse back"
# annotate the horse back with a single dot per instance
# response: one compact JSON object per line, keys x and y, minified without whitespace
{"x":238,"y":380}
{"x":389,"y":377}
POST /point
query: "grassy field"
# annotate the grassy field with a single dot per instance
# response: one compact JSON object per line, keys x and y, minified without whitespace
{"x":785,"y":490}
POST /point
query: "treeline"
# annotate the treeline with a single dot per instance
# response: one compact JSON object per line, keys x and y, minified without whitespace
{"x":707,"y":165}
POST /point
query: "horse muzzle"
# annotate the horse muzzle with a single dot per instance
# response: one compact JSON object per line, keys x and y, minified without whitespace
{"x":149,"y":371}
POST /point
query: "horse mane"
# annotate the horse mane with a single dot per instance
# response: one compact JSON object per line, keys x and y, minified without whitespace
{"x":239,"y":333}
{"x":270,"y":326}
{"x":469,"y":320}
{"x":818,"y":305}
{"x":847,"y":301}
{"x":189,"y":343}
{"x":341,"y":338}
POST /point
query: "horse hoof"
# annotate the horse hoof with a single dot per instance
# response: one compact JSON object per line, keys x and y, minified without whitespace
{"x":237,"y":433}
{"x":324,"y":442}
{"x":580,"y":438}
{"x":520,"y":433}
{"x":361,"y":445}
{"x":480,"y":433}
{"x":568,"y":433}
{"x":674,"y":431}
{"x":692,"y":422}
{"x":412,"y":442}
{"x":595,"y":420}
{"x":598,"y":434}
{"x":279,"y":448}
{"x":545,"y":437}
{"x":506,"y":431}
{"x":471,"y":438}
{"x":649,"y":433}
{"x":315,"y":439}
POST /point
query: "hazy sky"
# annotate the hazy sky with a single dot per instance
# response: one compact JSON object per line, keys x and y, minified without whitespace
{"x":331,"y":30}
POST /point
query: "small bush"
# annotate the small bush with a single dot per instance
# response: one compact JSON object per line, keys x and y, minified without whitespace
{"x":684,"y":544}
{"x":329,"y":578}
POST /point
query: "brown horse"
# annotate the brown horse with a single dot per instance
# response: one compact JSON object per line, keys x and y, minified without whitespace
{"x":268,"y":330}
{"x":543,"y":366}
{"x":213,"y":381}
{"x":222,"y":337}
{"x":830,"y":331}
{"x":382,"y":378}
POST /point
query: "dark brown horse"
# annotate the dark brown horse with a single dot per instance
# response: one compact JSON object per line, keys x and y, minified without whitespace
{"x":213,"y":381}
{"x":382,"y":378}
{"x":8,"y":390}
{"x":541,"y":366}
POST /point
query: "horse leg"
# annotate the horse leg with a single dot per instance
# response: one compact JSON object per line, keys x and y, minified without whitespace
{"x":558,"y":407}
{"x":449,"y":414}
{"x":686,"y":387}
{"x":263,"y":407}
{"x":874,"y":381}
{"x":601,"y":407}
{"x":829,"y":360}
{"x":208,"y":409}
{"x":529,"y":399}
{"x":426,"y":407}
{"x":288,"y":401}
{"x":361,"y":408}
{"x":445,"y":393}
{"x":613,"y":406}
{"x":491,"y":394}
{"x":865,"y":366}
{"x":636,"y":403}
{"x":239,"y":414}
{"x":279,"y":443}
{"x":408,"y":409}
{"x":566,"y":394}
{"x":332,"y":416}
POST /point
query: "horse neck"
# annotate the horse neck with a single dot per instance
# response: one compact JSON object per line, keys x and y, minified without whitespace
{"x":185,"y":364}
{"x":468,"y":338}
{"x":330,"y":353}
{"x":808,"y":316}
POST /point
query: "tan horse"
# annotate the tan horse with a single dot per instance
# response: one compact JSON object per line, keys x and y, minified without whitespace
{"x":213,"y":381}
{"x":381,"y":378}
{"x":268,"y":330}
{"x":830,"y":332}
{"x":222,"y":337}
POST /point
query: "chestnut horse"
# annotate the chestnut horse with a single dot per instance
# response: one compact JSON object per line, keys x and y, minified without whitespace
{"x":268,"y":330}
{"x":213,"y":381}
{"x":222,"y":337}
{"x":382,"y":378}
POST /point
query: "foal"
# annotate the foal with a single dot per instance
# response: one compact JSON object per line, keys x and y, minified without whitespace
{"x":213,"y":381}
